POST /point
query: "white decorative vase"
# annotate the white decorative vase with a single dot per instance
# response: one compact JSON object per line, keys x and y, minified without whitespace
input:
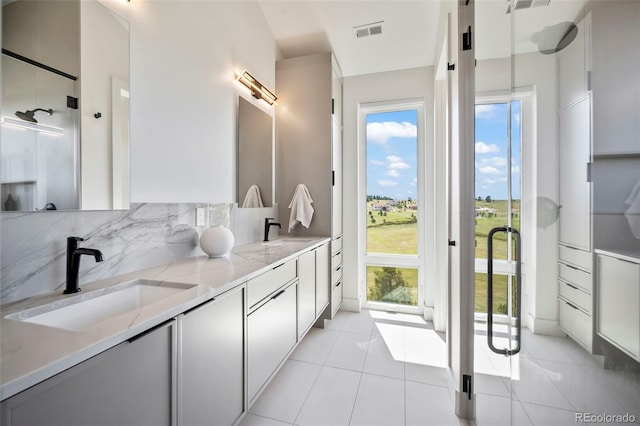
{"x":216,"y":241}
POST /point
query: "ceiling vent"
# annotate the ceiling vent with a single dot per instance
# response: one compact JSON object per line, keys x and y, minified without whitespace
{"x":367,"y":30}
{"x":525,"y":4}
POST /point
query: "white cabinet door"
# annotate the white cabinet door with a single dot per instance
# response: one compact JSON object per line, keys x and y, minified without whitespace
{"x":618,"y":314}
{"x":322,"y":278}
{"x":306,"y":292}
{"x":212,"y":362}
{"x":575,"y":190}
{"x":336,"y":193}
{"x":129,"y":384}
{"x":271,"y":334}
{"x":573,"y":64}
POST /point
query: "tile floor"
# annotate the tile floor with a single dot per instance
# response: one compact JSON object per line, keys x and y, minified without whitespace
{"x":378,"y":368}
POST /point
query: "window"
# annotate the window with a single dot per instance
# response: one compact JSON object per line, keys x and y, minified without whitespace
{"x":392,"y":135}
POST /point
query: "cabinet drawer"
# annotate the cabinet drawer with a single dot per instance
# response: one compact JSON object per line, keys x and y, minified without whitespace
{"x":576,"y":257}
{"x":263,"y":285}
{"x":336,"y":260}
{"x":575,"y":323}
{"x":336,"y":298}
{"x":271,"y":334}
{"x":576,"y":296}
{"x":336,"y":244}
{"x":575,"y":276}
{"x":336,"y":275}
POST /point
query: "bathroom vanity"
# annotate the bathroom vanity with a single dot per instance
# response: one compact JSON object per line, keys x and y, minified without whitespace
{"x":200,"y":353}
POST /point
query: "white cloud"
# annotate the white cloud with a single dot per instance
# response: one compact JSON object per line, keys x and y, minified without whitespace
{"x":393,"y":173}
{"x":486,"y":111}
{"x":395,"y":162}
{"x":386,"y":182}
{"x":414,"y":182}
{"x":483,"y":148}
{"x":489,"y":170}
{"x":376,"y":162}
{"x":493,"y":161}
{"x":515,"y":169}
{"x":380,"y":133}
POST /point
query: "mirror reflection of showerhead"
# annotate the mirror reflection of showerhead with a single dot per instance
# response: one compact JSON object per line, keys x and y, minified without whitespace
{"x":29,"y":115}
{"x":554,"y":38}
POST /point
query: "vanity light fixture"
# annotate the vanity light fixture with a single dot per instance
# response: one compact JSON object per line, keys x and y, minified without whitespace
{"x":258,"y":91}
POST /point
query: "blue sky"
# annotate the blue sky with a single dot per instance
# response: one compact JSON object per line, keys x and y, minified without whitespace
{"x":491,"y":150}
{"x":392,"y":152}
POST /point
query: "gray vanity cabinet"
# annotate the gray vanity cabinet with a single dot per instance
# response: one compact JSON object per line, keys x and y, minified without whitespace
{"x":306,"y":292}
{"x":271,"y":329}
{"x":211,"y":361}
{"x":322,"y":278}
{"x":129,"y":384}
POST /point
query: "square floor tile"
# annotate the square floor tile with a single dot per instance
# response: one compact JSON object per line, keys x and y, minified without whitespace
{"x":253,"y":420}
{"x":385,"y":357}
{"x":429,"y":405}
{"x":542,"y":415}
{"x":380,"y":402}
{"x":331,"y":399}
{"x":315,"y":346}
{"x":349,"y":351}
{"x":535,"y":387}
{"x":284,"y":396}
{"x":361,"y":323}
{"x":494,"y":410}
{"x":338,"y":321}
{"x":427,"y":374}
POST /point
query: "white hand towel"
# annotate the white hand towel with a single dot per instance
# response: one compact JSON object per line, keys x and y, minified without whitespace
{"x":301,"y":210}
{"x":633,"y":212}
{"x":253,"y":197}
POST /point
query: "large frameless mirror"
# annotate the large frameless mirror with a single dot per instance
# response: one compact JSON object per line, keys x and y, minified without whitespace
{"x":65,"y":106}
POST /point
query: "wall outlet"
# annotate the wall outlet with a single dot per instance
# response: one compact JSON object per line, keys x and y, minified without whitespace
{"x":200,"y":216}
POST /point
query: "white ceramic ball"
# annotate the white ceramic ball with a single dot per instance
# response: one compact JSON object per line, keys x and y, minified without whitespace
{"x":216,"y":241}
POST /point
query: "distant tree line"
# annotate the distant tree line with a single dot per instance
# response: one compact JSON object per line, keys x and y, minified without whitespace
{"x":378,"y":197}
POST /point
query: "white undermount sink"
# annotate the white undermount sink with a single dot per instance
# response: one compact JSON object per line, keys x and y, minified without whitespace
{"x":86,"y":310}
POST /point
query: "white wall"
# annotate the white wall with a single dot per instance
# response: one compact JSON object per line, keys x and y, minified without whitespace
{"x":387,"y":86}
{"x":184,"y":94}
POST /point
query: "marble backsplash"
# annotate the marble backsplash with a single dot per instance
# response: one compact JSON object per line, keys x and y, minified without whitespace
{"x":33,"y":256}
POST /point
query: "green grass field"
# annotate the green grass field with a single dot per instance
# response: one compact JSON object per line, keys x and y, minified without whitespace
{"x":397,"y":233}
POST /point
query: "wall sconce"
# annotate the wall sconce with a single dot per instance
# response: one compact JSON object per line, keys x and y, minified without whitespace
{"x":258,"y":91}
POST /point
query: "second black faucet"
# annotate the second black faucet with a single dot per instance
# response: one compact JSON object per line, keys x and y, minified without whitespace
{"x":267,"y":226}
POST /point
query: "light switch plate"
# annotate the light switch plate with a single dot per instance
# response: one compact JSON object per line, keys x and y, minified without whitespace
{"x":200,"y":216}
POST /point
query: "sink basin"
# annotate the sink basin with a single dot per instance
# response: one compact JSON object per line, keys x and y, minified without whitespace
{"x":86,"y":310}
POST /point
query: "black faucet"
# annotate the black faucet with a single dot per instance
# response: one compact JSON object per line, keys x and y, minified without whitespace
{"x":267,"y":226}
{"x":73,"y":262}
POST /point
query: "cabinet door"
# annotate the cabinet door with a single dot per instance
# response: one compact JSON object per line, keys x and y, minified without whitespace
{"x":322,"y":278}
{"x":336,"y":193}
{"x":575,"y":190}
{"x":271,"y":334}
{"x":212,"y":362}
{"x":129,"y":384}
{"x":306,"y":291}
{"x":573,"y":64}
{"x":618,"y":318}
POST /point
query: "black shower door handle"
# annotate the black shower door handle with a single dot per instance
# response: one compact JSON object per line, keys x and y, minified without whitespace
{"x":509,"y":231}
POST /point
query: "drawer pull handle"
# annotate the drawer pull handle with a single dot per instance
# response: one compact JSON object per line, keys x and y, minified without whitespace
{"x":572,"y":286}
{"x":338,"y":268}
{"x":338,"y":253}
{"x":276,"y":267}
{"x":338,"y":285}
{"x":572,"y":267}
{"x":572,"y":305}
{"x":278,"y":294}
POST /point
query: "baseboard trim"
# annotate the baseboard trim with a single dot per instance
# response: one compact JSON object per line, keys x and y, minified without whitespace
{"x":351,"y":305}
{"x":544,"y":326}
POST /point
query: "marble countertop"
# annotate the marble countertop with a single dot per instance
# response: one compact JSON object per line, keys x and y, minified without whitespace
{"x":31,"y":353}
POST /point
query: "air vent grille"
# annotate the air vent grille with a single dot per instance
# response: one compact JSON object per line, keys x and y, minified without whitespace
{"x":366,"y":30}
{"x":526,"y":4}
